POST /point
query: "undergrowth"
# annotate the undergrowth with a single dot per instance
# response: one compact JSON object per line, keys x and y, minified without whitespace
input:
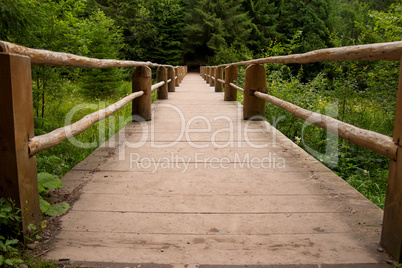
{"x":367,"y":102}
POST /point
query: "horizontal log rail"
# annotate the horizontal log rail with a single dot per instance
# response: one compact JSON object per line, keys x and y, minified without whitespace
{"x":157,"y":85}
{"x":51,"y":58}
{"x":51,"y":139}
{"x":255,"y":96}
{"x":221,"y":81}
{"x":17,"y":136}
{"x":391,"y":51}
{"x":374,"y":141}
{"x":237,"y":87}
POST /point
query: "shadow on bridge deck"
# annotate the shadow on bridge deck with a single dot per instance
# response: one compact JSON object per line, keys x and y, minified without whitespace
{"x":199,"y":186}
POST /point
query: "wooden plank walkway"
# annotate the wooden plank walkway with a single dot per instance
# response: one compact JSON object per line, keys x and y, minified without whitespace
{"x":212,"y":199}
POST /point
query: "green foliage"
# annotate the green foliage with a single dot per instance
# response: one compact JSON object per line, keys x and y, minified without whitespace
{"x":264,"y":15}
{"x":364,"y":104}
{"x":10,"y":255}
{"x":215,"y":25}
{"x":48,"y":182}
{"x":16,"y":20}
{"x":104,"y":41}
{"x":168,"y":18}
{"x":9,"y":229}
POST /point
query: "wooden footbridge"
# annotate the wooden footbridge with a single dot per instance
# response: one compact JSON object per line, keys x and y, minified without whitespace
{"x":191,"y":183}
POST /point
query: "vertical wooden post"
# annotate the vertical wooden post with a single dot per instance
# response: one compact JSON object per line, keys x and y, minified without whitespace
{"x":18,"y":178}
{"x":181,"y":74}
{"x":171,"y":76}
{"x":230,"y":77}
{"x":142,"y":81}
{"x":161,"y":75}
{"x":212,"y":82}
{"x":219,"y":75}
{"x":176,"y":72}
{"x":253,"y":107}
{"x":208,"y":80}
{"x":391,"y":236}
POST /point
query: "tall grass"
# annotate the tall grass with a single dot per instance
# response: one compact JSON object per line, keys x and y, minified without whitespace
{"x":371,"y":107}
{"x":63,"y":157}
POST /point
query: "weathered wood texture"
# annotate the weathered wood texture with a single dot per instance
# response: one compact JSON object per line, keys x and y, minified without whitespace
{"x":391,"y":51}
{"x":142,"y":81}
{"x":157,"y":86}
{"x":231,"y":73}
{"x":208,"y":75}
{"x":161,"y":76}
{"x":18,"y":179}
{"x":171,"y":76}
{"x":255,"y":81}
{"x":46,"y":57}
{"x":51,"y":139}
{"x":177,"y":80}
{"x":391,"y":237}
{"x":213,"y":77}
{"x":236,"y":87}
{"x":374,"y":141}
{"x":219,"y":76}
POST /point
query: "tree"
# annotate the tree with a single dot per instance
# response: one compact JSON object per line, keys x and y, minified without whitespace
{"x":310,"y":17}
{"x":263,"y":14}
{"x":168,"y":19}
{"x":213,"y":25}
{"x":102,"y":40}
{"x":135,"y":20}
{"x":16,"y":20}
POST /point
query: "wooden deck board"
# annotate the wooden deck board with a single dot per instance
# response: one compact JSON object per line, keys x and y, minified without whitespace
{"x":166,"y":207}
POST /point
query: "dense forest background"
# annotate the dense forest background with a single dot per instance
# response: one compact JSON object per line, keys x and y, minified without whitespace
{"x":205,"y":31}
{"x":201,"y":32}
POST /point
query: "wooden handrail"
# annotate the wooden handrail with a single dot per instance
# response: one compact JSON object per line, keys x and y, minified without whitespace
{"x":374,"y":141}
{"x":157,"y":85}
{"x":236,"y":87}
{"x":46,"y":57}
{"x":18,"y":135}
{"x":391,"y":51}
{"x":51,"y":139}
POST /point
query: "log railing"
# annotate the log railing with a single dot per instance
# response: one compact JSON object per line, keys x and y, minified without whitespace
{"x":18,"y":179}
{"x":255,"y":96}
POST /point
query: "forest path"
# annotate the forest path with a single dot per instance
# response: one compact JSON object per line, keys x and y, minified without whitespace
{"x":200,"y":187}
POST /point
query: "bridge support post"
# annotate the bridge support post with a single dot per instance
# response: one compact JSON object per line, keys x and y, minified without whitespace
{"x":231,"y":73}
{"x":171,"y":76}
{"x":212,"y":81}
{"x":255,"y":80}
{"x":142,"y":81}
{"x":177,"y":73}
{"x":208,"y":80}
{"x":181,"y":74}
{"x":161,"y":75}
{"x":18,"y":178}
{"x":218,"y":75}
{"x":391,"y":235}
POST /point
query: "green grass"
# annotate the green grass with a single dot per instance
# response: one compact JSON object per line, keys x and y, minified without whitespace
{"x":372,"y":108}
{"x":369,"y":108}
{"x":63,"y":157}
